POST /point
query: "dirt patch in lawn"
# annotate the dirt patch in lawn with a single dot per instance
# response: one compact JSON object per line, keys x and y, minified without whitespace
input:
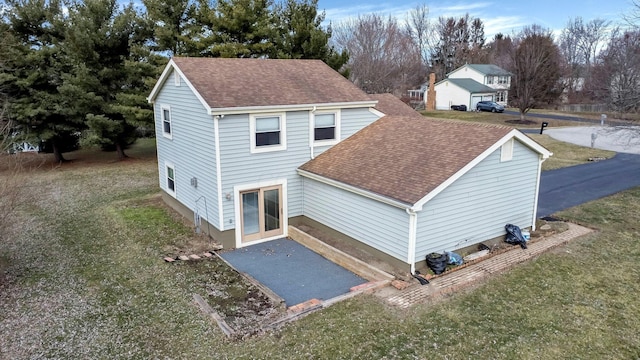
{"x":242,"y":305}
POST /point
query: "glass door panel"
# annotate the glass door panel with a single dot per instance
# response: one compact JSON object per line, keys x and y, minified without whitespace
{"x":261,"y":211}
{"x":271,"y":210}
{"x":250,"y":213}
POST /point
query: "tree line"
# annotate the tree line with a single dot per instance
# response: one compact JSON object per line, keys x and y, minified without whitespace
{"x":70,"y":67}
{"x":589,"y":62}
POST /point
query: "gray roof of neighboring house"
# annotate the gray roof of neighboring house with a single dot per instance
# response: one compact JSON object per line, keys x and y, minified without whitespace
{"x":471,"y":85}
{"x":489,"y":69}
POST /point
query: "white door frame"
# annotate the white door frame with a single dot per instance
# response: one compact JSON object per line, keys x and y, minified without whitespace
{"x":238,"y":216}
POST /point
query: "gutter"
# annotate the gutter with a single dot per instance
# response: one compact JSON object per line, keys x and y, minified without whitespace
{"x":296,"y":107}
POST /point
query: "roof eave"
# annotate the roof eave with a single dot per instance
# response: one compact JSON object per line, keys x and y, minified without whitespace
{"x":354,"y":189}
{"x":171,"y":65}
{"x":292,"y":107}
{"x":511,"y":134}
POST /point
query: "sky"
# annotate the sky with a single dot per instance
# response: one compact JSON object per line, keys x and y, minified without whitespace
{"x":503,"y":16}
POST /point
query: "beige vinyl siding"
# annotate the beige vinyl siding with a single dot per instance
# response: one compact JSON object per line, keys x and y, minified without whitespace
{"x":191,"y":149}
{"x":378,"y":225}
{"x":478,"y":205}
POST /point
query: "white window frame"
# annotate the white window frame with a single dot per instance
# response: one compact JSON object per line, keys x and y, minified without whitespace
{"x":167,"y":166}
{"x":268,"y":148}
{"x":336,"y":139}
{"x":506,"y":151}
{"x":168,"y":135}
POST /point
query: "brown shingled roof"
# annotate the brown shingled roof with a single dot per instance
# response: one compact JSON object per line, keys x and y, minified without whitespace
{"x":389,"y":104}
{"x":405,"y":158}
{"x":227,"y":83}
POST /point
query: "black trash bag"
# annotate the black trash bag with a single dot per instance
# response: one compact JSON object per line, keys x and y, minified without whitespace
{"x":437,"y":262}
{"x":514,"y":236}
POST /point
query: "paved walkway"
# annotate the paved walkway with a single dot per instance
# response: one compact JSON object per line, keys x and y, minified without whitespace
{"x":471,"y":274}
{"x":292,"y":271}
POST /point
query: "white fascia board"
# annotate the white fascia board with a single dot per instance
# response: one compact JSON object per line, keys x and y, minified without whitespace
{"x":163,"y":78}
{"x":376,"y":112}
{"x":295,"y":107}
{"x":533,"y":144}
{"x":355,"y":190}
{"x":511,"y":134}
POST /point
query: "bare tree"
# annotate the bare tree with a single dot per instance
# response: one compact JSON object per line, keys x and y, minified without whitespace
{"x":617,"y":78}
{"x":460,"y":41}
{"x":633,"y":16}
{"x":536,"y":69}
{"x":580,"y":43}
{"x":500,"y":50}
{"x":382,"y":55}
{"x":420,"y":29}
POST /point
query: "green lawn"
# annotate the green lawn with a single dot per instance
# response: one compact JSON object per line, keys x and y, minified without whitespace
{"x":82,"y":277}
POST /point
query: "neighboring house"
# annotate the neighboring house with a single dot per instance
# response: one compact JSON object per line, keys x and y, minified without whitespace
{"x":471,"y":83}
{"x":304,"y":146}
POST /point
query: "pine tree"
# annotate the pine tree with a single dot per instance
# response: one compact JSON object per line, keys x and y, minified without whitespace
{"x":300,"y":35}
{"x":242,"y":28}
{"x":34,"y":67}
{"x":106,"y":45}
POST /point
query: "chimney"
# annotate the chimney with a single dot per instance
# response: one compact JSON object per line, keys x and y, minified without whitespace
{"x":431,"y":93}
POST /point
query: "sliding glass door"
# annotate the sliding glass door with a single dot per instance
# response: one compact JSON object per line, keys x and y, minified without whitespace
{"x":261,"y":211}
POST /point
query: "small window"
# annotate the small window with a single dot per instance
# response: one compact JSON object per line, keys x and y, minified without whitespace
{"x":501,"y":96}
{"x":268,"y":133}
{"x":166,"y":122}
{"x":171,"y":179}
{"x":507,"y":151}
{"x":324,"y":127}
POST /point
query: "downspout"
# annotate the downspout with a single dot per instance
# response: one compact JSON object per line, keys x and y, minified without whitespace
{"x":216,"y":130}
{"x":311,"y":127}
{"x":535,"y":202}
{"x":413,"y":228}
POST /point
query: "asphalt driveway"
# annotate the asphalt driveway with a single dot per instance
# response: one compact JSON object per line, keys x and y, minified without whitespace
{"x":567,"y":187}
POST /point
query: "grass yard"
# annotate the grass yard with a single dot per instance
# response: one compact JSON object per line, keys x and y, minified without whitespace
{"x":81,"y":276}
{"x":497,"y":118}
{"x":566,"y":154}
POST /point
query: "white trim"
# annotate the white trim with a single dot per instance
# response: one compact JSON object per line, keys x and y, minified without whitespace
{"x":294,"y":107}
{"x":282,"y":116}
{"x":377,"y":112}
{"x":353,"y":189}
{"x":176,"y":78}
{"x":338,"y":119}
{"x":168,"y":135}
{"x":413,"y":239}
{"x":173,"y":192}
{"x":216,"y":139}
{"x":506,"y":151}
{"x":236,"y":205}
{"x":535,"y":199}
{"x":513,"y":133}
{"x":171,"y":65}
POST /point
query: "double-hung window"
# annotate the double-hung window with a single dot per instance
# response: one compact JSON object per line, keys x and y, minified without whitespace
{"x":166,"y":121}
{"x":268,"y":132}
{"x":171,"y":179}
{"x":326,"y":127}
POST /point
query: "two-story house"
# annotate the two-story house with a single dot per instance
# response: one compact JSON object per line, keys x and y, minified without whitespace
{"x":471,"y":83}
{"x":248,"y":147}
